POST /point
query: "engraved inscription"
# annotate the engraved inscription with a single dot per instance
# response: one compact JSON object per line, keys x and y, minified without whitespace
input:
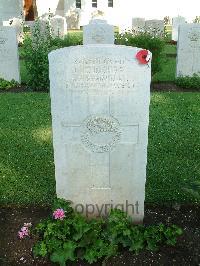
{"x":98,"y":35}
{"x":4,"y":51}
{"x":100,"y":74}
{"x":194,"y":37}
{"x":101,"y":133}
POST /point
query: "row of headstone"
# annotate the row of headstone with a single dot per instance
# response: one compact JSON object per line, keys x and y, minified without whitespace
{"x":11,"y":33}
{"x":154,"y":26}
{"x":100,"y":96}
{"x":58,"y":26}
{"x":55,"y":24}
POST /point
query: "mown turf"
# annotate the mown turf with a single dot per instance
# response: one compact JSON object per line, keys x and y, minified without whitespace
{"x":168,"y":71}
{"x":26,"y":154}
{"x":174,"y":146}
{"x":170,"y":49}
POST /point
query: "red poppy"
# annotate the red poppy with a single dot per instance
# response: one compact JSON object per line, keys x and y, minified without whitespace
{"x":143,"y":56}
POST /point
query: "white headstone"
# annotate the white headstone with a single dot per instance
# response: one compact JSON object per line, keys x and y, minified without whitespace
{"x":40,"y":28}
{"x":58,"y":26}
{"x":155,"y":27}
{"x":10,"y":9}
{"x":17,"y":23}
{"x":98,"y":32}
{"x":9,"y":59}
{"x":100,"y":98}
{"x":138,"y":24}
{"x":176,"y":22}
{"x":188,"y":50}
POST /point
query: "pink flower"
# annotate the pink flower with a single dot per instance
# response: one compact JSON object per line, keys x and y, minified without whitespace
{"x":24,"y":230}
{"x":20,"y":234}
{"x":59,"y":214}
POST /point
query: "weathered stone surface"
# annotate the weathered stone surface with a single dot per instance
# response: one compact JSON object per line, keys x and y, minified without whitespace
{"x":58,"y":26}
{"x":176,"y":22}
{"x":9,"y":59}
{"x":138,"y":24}
{"x":98,"y":32}
{"x":155,"y":26}
{"x":100,"y":112}
{"x":188,"y":50}
{"x":17,"y":24}
{"x":10,"y":9}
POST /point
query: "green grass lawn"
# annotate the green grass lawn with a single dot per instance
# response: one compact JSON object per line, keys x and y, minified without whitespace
{"x":168,"y":71}
{"x":23,"y":72}
{"x":170,"y":49}
{"x":26,"y":154}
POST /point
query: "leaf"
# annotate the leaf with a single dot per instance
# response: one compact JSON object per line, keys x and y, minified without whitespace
{"x":40,"y":249}
{"x":63,"y":255}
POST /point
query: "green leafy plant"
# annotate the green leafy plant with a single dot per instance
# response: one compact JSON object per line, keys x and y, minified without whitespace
{"x":5,"y":84}
{"x":189,"y":82}
{"x":35,"y":52}
{"x":145,"y":40}
{"x":73,"y":236}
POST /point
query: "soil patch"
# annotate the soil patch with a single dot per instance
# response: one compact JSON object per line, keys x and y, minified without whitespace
{"x":187,"y":251}
{"x":169,"y":86}
{"x":16,"y":89}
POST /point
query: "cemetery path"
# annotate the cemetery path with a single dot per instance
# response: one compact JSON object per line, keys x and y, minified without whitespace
{"x":187,"y":251}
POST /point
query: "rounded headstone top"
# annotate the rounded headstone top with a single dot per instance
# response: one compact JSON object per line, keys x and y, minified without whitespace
{"x":98,"y":21}
{"x":98,"y":31}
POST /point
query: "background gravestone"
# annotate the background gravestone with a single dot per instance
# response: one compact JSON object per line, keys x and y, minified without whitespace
{"x":100,"y":96}
{"x":138,"y":24}
{"x":40,"y":27}
{"x":188,"y":50}
{"x":9,"y":66}
{"x":58,"y":26}
{"x":10,"y":9}
{"x":155,"y":27}
{"x":176,"y":22}
{"x":98,"y":32}
{"x":17,"y":23}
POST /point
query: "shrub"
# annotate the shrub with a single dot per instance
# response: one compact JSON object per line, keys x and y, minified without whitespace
{"x":5,"y":85}
{"x":146,"y":41}
{"x":74,"y":237}
{"x":189,"y":82}
{"x":35,"y":52}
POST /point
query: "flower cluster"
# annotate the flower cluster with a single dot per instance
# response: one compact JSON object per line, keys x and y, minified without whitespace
{"x":24,"y":230}
{"x":59,"y":214}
